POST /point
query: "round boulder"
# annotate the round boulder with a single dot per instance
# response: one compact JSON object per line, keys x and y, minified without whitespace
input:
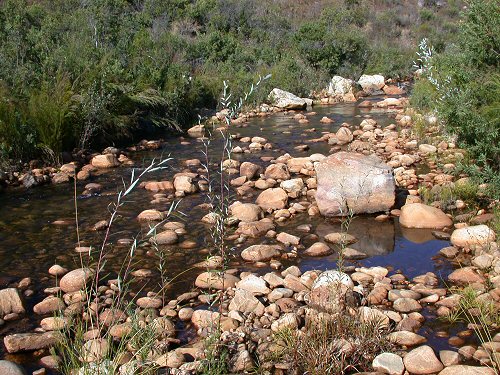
{"x":419,"y":215}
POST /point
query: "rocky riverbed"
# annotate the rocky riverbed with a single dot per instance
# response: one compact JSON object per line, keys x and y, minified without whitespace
{"x":292,"y":174}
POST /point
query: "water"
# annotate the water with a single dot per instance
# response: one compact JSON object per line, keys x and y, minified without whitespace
{"x":30,"y":243}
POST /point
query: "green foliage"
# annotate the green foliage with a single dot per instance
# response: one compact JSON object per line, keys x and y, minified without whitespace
{"x":424,"y":96}
{"x":130,"y":67}
{"x":467,"y":84}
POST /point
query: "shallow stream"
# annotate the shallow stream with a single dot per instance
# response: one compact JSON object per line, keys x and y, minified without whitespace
{"x":30,"y":243}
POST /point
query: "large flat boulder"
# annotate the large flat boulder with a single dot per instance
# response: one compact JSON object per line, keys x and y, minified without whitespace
{"x":419,"y":215}
{"x":352,"y":181}
{"x":286,"y":100}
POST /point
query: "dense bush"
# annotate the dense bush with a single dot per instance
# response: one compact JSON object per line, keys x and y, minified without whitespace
{"x":465,"y":80}
{"x":87,"y":74}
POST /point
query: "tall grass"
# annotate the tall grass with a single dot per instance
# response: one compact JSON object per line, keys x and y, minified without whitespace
{"x":141,"y":331}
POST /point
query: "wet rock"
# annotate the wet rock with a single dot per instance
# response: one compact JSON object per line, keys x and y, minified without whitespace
{"x":352,"y":181}
{"x":286,"y":100}
{"x":167,"y":237}
{"x":216,"y":280}
{"x":244,"y":301}
{"x":449,"y":357}
{"x":272,"y":199}
{"x":418,"y":215}
{"x":249,"y":170}
{"x":10,"y":302}
{"x":477,"y":235}
{"x":196,"y":131}
{"x":255,"y":229}
{"x":54,"y":323}
{"x":254,"y":285}
{"x":288,"y":239}
{"x":156,"y":186}
{"x":204,"y":318}
{"x":76,"y":280}
{"x":50,"y":304}
{"x":465,"y":276}
{"x":260,"y":253}
{"x":10,"y":368}
{"x":406,"y":338}
{"x":344,"y":136}
{"x":467,"y":370}
{"x":340,"y":238}
{"x":406,"y":305}
{"x":20,"y":342}
{"x":422,"y":360}
{"x":353,"y":254}
{"x":278,"y":171}
{"x":105,"y":161}
{"x":149,"y":302}
{"x":449,"y":252}
{"x":150,"y":215}
{"x":246,"y":212}
{"x":293,"y":187}
{"x":388,"y":363}
{"x":184,"y":184}
{"x":318,"y":249}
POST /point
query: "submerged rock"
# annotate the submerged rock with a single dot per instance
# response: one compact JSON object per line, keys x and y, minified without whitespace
{"x":352,"y":181}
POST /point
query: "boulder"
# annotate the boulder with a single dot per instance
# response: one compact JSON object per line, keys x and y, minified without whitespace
{"x":344,"y":136}
{"x":371,"y":84}
{"x":286,"y":100}
{"x":184,"y":184}
{"x":278,"y":171}
{"x":419,"y":215}
{"x":249,"y":170}
{"x":76,"y":280}
{"x":167,"y":237}
{"x":245,"y":302}
{"x":388,"y":363}
{"x":351,"y":181}
{"x":340,"y":87}
{"x":10,"y":368}
{"x":477,"y":235}
{"x":260,"y":253}
{"x":272,"y":199}
{"x":197,"y":131}
{"x":329,"y":291}
{"x":216,"y":280}
{"x":10,"y":302}
{"x":318,"y":249}
{"x":20,"y":342}
{"x":422,"y":360}
{"x":105,"y":161}
{"x":467,"y":370}
{"x":246,"y":212}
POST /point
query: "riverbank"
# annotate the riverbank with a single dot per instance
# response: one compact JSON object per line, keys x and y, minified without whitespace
{"x":281,"y":249}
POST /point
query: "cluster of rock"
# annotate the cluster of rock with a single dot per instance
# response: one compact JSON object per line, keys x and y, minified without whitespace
{"x":342,"y":89}
{"x":84,"y":166}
